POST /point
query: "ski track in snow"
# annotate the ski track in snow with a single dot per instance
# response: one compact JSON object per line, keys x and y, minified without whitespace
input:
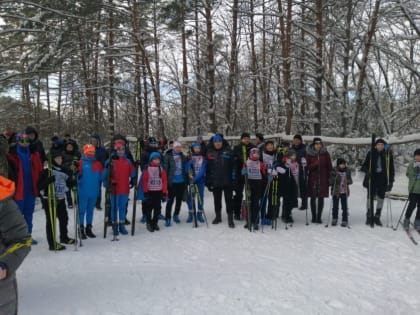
{"x":217,"y":270}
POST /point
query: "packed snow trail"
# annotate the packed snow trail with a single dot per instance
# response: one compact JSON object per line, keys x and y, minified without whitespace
{"x":217,"y":270}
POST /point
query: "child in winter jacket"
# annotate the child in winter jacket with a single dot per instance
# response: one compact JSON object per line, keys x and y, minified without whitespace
{"x":292,"y":180}
{"x":56,"y":176}
{"x":89,"y":176}
{"x":153,"y":186}
{"x":196,"y":170}
{"x":256,"y":173}
{"x":122,"y":177}
{"x":340,"y":180}
{"x":413,"y":174}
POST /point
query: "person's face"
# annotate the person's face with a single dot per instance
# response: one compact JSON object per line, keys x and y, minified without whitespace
{"x":69,"y":147}
{"x":317,"y":146}
{"x":380,"y":147}
{"x":197,"y":150}
{"x":58,"y":160}
{"x":293,"y":157}
{"x":156,"y":161}
{"x":94,"y":141}
{"x":342,"y":166}
{"x":297,"y":142}
{"x":269,"y":147}
{"x":178,"y":149}
{"x":31,"y":136}
{"x":218,"y":145}
{"x":417,"y":158}
{"x":246,"y":140}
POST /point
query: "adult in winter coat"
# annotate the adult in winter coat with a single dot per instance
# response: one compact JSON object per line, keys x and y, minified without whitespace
{"x":381,"y":173}
{"x":15,"y":244}
{"x":319,"y":169}
{"x":241,"y":154}
{"x":71,"y":157}
{"x":174,"y":164}
{"x":29,"y":167}
{"x":300,"y":148}
{"x":413,"y":174}
{"x":221,"y":174}
{"x":36,"y":145}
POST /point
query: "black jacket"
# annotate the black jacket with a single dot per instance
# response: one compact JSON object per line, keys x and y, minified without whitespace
{"x":221,"y":167}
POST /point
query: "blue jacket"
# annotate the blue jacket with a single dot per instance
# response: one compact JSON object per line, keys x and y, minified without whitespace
{"x":198,"y":172}
{"x":89,"y":177}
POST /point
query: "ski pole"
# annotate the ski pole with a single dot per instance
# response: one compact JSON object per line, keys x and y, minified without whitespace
{"x":332,"y":200}
{"x":404,"y":208}
{"x":200,"y":201}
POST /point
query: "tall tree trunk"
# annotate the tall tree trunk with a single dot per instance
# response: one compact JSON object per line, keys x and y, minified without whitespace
{"x":184,"y":89}
{"x":47,"y":90}
{"x":210,"y":67}
{"x":198,"y":79}
{"x":111,"y":117}
{"x":145,"y":95}
{"x":232,"y":65}
{"x":368,"y":43}
{"x":253,"y":67}
{"x":320,"y":68}
{"x":60,"y":92}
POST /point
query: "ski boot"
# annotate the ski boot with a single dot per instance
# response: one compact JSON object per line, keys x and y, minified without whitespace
{"x":344,"y":223}
{"x":334,"y":222}
{"x":217,"y":220}
{"x":82,"y":233}
{"x":67,"y":241}
{"x":176,"y":218}
{"x":406,"y":224}
{"x":200,"y":217}
{"x":149,"y":227}
{"x":189,"y":219}
{"x":122,"y":229}
{"x":58,"y":247}
{"x":168,"y":222}
{"x":89,"y":232}
{"x":155,"y":226}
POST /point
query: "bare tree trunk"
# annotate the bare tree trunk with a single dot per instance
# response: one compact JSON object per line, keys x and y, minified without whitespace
{"x":184,"y":89}
{"x":95,"y":96}
{"x":253,"y":67}
{"x":232,"y":64}
{"x":320,"y":68}
{"x":197,"y":67}
{"x":111,"y":117}
{"x":47,"y":89}
{"x":368,"y":43}
{"x":146,"y":95}
{"x":60,"y":92}
{"x":210,"y":66}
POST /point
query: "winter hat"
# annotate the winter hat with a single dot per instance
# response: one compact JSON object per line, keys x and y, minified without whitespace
{"x":152,"y":140}
{"x":417,"y":152}
{"x":317,"y":140}
{"x":30,"y":130}
{"x":253,"y":152}
{"x":341,"y":161}
{"x":245,"y":135}
{"x":269,"y":142}
{"x":89,"y":150}
{"x":154,"y":155}
{"x":177,"y":144}
{"x":260,"y":136}
{"x":119,"y":138}
{"x":217,"y":138}
{"x":380,"y":140}
{"x":55,"y":153}
{"x":297,"y":136}
{"x":195,"y":145}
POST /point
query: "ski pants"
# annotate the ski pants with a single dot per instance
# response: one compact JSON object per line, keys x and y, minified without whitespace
{"x":200,"y":197}
{"x":176,"y":192}
{"x":63,"y":219}
{"x":217,"y":197}
{"x":86,"y":209}
{"x":153,"y":206}
{"x":118,"y":207}
{"x":317,"y":205}
{"x":343,"y":199}
{"x":27,"y":207}
{"x":256,"y":190}
{"x":413,"y":201}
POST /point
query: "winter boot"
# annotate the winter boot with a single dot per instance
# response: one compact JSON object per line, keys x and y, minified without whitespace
{"x":155,"y":226}
{"x":200,"y":217}
{"x":344,"y":223}
{"x":313,"y":212}
{"x":319,"y":216}
{"x":89,"y":232}
{"x":217,"y":219}
{"x":230,"y":220}
{"x":176,"y":218}
{"x":143,"y":219}
{"x":377,"y":217}
{"x":82,"y":233}
{"x":150,"y":227}
{"x":368,"y":219}
{"x":190,"y":217}
{"x":122,"y":229}
{"x":67,"y":241}
{"x":406,"y":224}
{"x":417,"y":224}
{"x":167,"y":222}
{"x":289,"y":219}
{"x":256,"y":227}
{"x":334,"y":222}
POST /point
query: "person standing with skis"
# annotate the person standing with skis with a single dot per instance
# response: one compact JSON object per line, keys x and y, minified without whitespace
{"x":413,"y":174}
{"x":291,"y":182}
{"x":319,"y":169}
{"x":221,"y":175}
{"x":196,"y":170}
{"x":300,"y":148}
{"x":379,"y":168}
{"x":340,"y":180}
{"x":241,"y":152}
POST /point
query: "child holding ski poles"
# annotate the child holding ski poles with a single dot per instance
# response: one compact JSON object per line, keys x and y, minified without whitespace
{"x":292,"y":180}
{"x":54,"y":200}
{"x":121,"y":179}
{"x":255,"y":171}
{"x":340,"y":180}
{"x":153,"y":186}
{"x":196,"y":170}
{"x":413,"y":174}
{"x":89,"y":177}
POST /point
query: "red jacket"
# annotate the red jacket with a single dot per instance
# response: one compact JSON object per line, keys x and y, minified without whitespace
{"x":164,"y":177}
{"x":122,"y":172}
{"x":36,"y":167}
{"x":319,"y":169}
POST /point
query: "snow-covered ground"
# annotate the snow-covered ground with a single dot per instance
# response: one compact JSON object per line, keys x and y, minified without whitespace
{"x":217,"y":270}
